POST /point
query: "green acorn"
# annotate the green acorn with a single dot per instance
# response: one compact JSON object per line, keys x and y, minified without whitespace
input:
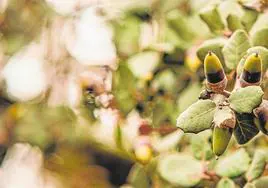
{"x":221,"y":138}
{"x":215,"y":76}
{"x":252,"y":71}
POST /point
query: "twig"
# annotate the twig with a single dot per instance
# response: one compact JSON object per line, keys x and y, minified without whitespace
{"x":226,"y":93}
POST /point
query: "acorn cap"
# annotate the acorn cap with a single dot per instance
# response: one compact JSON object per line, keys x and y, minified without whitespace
{"x":218,"y":87}
{"x":212,"y":63}
{"x":253,"y":63}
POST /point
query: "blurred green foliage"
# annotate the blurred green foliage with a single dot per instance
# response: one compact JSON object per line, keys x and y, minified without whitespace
{"x":159,"y":76}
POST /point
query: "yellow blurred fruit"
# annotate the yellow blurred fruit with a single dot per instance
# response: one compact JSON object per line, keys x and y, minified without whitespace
{"x":15,"y":111}
{"x":193,"y":63}
{"x":143,"y":153}
{"x":148,"y":76}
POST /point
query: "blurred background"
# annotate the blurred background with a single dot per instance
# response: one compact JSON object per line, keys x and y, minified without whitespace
{"x":83,"y":81}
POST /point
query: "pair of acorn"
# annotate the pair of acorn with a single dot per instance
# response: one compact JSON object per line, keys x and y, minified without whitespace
{"x":216,"y":81}
{"x":215,"y":76}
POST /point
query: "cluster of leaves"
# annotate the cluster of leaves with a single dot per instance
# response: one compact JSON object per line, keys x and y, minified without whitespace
{"x":200,"y":115}
{"x":237,"y":32}
{"x":161,"y":46}
{"x":21,"y":23}
{"x":147,"y":73}
{"x":183,"y":170}
{"x":38,"y":124}
{"x":232,"y":52}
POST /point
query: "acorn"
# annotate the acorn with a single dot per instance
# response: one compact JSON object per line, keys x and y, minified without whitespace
{"x":215,"y":77}
{"x":220,"y":139}
{"x":252,"y":71}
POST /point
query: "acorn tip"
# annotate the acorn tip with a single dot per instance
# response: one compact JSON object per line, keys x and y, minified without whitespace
{"x":256,"y":54}
{"x":209,"y":52}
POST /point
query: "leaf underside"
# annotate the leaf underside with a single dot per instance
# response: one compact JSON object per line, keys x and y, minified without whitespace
{"x":245,"y":128}
{"x":234,"y":164}
{"x":198,"y":117}
{"x":244,"y":100}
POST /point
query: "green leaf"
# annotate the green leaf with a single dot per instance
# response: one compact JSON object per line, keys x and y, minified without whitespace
{"x":171,"y":37}
{"x":227,"y":8}
{"x":138,"y":177}
{"x":188,"y":96}
{"x":259,"y":38}
{"x":261,"y":23}
{"x":210,"y":15}
{"x":249,"y":18}
{"x":233,"y":165}
{"x":261,"y":182}
{"x":244,"y":100}
{"x":136,"y":7}
{"x":249,"y":185}
{"x":214,"y":45}
{"x":169,"y":142}
{"x":151,"y":167}
{"x":178,"y":23}
{"x":257,"y":165}
{"x":197,"y":5}
{"x":40,"y":124}
{"x":194,"y":21}
{"x":201,"y":148}
{"x":143,"y":63}
{"x":240,"y":66}
{"x":118,"y":137}
{"x":14,"y":42}
{"x":59,"y":113}
{"x":180,"y":169}
{"x":127,"y":35}
{"x":234,"y":22}
{"x":34,"y":134}
{"x":197,"y":117}
{"x":124,"y":86}
{"x":164,"y":80}
{"x":163,"y":109}
{"x":245,"y":129}
{"x":266,"y":155}
{"x":225,"y":183}
{"x":166,"y":6}
{"x":60,"y":118}
{"x":235,"y":48}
